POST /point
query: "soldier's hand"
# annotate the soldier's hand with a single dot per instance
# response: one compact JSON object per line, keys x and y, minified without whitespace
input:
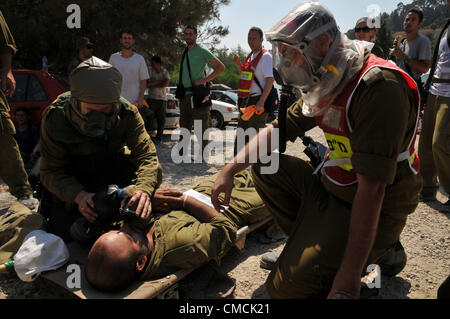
{"x":167,"y":199}
{"x":224,"y":184}
{"x":8,"y":83}
{"x":85,"y":205}
{"x":144,"y":207}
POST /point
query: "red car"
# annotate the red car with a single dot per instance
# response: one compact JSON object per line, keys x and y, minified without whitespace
{"x":35,"y":90}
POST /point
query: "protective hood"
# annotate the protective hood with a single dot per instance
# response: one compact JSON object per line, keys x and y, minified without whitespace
{"x":320,"y":78}
{"x":95,"y":81}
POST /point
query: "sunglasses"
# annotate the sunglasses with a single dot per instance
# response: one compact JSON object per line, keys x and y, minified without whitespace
{"x":365,"y":29}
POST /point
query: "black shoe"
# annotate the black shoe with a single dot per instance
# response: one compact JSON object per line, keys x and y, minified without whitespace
{"x":394,"y":261}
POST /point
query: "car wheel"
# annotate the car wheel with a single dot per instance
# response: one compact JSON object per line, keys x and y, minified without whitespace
{"x":217,"y":120}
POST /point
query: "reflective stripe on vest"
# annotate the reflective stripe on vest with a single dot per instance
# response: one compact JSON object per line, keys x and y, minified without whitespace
{"x":335,"y":123}
{"x":247,"y":74}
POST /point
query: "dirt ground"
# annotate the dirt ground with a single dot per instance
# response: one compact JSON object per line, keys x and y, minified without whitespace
{"x":426,"y":239}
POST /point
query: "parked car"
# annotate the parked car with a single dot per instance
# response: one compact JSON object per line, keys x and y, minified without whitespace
{"x":35,"y":90}
{"x":225,"y":96}
{"x":224,"y":108}
{"x":222,"y":113}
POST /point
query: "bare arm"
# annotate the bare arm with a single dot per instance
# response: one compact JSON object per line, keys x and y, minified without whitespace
{"x":237,"y":62}
{"x":7,"y":78}
{"x":158,"y":84}
{"x":363,"y":228}
{"x":266,"y":92}
{"x":218,"y":69}
{"x":224,"y":182}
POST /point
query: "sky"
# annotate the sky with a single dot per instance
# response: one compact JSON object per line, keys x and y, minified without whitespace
{"x":241,"y":15}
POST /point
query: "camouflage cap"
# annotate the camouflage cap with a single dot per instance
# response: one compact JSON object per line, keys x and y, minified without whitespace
{"x":95,"y":81}
{"x":82,"y":42}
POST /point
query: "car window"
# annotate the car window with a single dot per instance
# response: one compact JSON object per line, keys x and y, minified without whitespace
{"x":35,"y":91}
{"x":21,"y":88}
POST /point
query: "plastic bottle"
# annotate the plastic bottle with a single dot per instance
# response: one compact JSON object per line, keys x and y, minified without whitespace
{"x":7,"y":267}
{"x":44,"y":63}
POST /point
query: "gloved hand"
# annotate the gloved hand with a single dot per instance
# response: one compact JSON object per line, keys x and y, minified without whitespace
{"x":249,"y":111}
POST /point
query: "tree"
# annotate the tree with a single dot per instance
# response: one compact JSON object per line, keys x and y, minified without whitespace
{"x":39,"y":27}
{"x":384,"y":37}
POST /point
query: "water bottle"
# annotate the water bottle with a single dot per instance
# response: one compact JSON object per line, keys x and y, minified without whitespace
{"x":7,"y":267}
{"x":44,"y":63}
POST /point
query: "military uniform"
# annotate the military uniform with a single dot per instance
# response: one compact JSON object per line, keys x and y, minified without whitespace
{"x":315,"y":212}
{"x":72,"y":162}
{"x":181,"y":241}
{"x":73,"y":64}
{"x":12,"y":170}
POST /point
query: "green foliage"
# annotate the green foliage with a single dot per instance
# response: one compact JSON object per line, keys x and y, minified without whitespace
{"x":39,"y":27}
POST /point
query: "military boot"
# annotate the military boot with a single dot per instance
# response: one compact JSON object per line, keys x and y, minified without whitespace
{"x":394,"y":261}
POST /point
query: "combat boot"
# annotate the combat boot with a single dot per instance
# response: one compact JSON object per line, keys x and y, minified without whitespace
{"x":394,"y":261}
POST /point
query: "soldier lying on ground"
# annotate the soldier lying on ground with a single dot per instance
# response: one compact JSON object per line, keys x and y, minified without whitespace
{"x":191,"y":234}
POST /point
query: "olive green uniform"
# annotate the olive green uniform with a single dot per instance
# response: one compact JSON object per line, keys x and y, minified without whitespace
{"x":12,"y":170}
{"x":72,"y":162}
{"x":181,"y":241}
{"x":316,"y":213}
{"x":15,"y":225}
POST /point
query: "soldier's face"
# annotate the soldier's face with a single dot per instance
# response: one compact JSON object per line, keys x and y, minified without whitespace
{"x":89,"y":107}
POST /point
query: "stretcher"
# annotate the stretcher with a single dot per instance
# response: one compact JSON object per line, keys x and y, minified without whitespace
{"x":71,"y":276}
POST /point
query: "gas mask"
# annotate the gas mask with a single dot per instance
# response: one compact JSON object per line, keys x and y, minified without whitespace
{"x":94,"y":123}
{"x":320,"y":78}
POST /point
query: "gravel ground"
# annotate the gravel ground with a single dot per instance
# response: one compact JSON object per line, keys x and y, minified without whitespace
{"x":426,"y":239}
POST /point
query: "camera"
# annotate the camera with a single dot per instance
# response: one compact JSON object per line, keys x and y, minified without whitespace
{"x":107,"y":204}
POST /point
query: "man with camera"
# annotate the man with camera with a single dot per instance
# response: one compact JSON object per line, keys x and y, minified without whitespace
{"x":350,"y":215}
{"x":193,"y":80}
{"x":91,"y":138}
{"x":183,"y":233}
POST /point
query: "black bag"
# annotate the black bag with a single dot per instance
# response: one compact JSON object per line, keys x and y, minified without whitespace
{"x":180,"y":92}
{"x":270,"y":103}
{"x":201,"y":94}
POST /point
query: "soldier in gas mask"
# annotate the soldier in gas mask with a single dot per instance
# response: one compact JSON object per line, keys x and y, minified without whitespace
{"x":90,"y":138}
{"x":352,"y":215}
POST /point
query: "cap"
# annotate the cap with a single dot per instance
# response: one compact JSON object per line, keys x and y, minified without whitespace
{"x":82,"y":42}
{"x":40,"y":251}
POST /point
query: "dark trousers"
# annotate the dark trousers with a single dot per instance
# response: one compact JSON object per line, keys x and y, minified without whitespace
{"x":158,"y":108}
{"x":317,"y":224}
{"x":12,"y":170}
